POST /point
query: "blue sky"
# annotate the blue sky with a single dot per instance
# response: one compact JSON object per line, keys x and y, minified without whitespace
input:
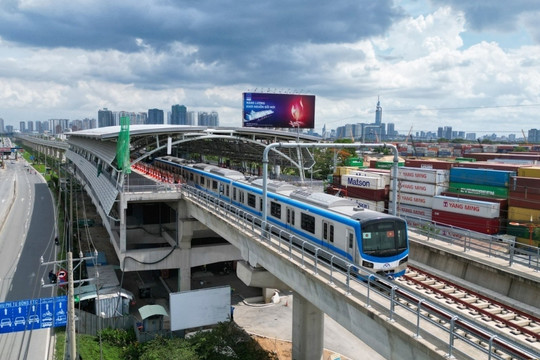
{"x":473,"y":65}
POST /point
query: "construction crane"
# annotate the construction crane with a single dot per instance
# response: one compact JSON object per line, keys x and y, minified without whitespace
{"x":524,"y":137}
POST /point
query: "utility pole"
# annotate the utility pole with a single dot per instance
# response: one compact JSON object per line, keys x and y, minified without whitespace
{"x":72,"y":345}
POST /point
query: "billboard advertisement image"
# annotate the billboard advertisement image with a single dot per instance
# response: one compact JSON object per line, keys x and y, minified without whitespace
{"x":279,"y":110}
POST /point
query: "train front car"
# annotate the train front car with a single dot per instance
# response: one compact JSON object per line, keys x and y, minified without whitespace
{"x":383,"y":243}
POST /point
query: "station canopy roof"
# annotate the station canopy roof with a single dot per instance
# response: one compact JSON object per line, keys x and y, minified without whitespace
{"x":236,"y":144}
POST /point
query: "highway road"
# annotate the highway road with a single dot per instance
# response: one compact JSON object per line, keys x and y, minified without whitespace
{"x":26,"y":233}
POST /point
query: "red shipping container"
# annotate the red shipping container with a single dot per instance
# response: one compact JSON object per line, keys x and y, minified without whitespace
{"x":527,"y":185}
{"x":367,"y":194}
{"x":428,"y":164}
{"x":473,"y":223}
{"x":524,"y":200}
{"x":336,"y":180}
{"x":489,"y":165}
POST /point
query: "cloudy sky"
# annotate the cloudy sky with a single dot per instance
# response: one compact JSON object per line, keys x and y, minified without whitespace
{"x":470,"y":64}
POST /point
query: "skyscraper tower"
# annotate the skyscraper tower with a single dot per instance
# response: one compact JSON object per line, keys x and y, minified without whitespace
{"x":178,"y":115}
{"x":378,"y":113}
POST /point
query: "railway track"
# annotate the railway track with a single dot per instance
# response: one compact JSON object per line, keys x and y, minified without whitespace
{"x":501,"y":318}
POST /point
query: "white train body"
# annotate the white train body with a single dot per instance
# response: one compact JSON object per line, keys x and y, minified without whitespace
{"x":367,"y":238}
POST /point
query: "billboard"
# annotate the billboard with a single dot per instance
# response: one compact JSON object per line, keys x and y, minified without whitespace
{"x":279,"y":110}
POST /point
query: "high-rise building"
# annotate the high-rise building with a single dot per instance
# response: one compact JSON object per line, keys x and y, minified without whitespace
{"x":9,"y":129}
{"x":533,"y":136}
{"x":155,"y":116}
{"x":447,"y":133}
{"x":208,"y":119}
{"x":378,"y":113}
{"x":391,"y":130}
{"x":440,"y":132}
{"x":2,"y":125}
{"x":105,"y":118}
{"x":22,"y":126}
{"x":58,"y":126}
{"x":192,"y":118}
{"x":30,"y":124}
{"x":178,"y":115}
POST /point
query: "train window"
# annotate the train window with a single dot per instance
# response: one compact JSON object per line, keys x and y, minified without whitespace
{"x":275,"y":209}
{"x":251,"y":200}
{"x":190,"y":176}
{"x":331,"y":233}
{"x":214,"y":185}
{"x":227,"y":191}
{"x":328,"y":232}
{"x":351,"y":240}
{"x":325,"y":231}
{"x":260,"y":204}
{"x":234,"y":194}
{"x":384,"y":237}
{"x":201,"y":180}
{"x":307,"y":222}
{"x":241,"y":195}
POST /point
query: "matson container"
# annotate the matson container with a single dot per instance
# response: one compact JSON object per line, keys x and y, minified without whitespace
{"x":385,"y":174}
{"x":365,"y":182}
{"x":480,"y":176}
{"x":430,"y":176}
{"x":483,"y":209}
{"x":474,"y":223}
{"x":532,"y":171}
{"x":413,"y":199}
{"x":411,"y":210}
{"x":421,"y":188}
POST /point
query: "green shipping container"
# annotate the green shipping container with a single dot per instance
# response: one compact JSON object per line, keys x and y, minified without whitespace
{"x":521,"y":231}
{"x":387,"y":165}
{"x":479,"y":190}
{"x":353,"y":161}
{"x":464,"y":159}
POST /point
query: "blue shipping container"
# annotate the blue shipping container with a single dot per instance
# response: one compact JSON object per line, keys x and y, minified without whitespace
{"x":489,"y":177}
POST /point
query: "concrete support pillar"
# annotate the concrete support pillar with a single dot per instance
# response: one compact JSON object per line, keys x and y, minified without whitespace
{"x":184,"y":237}
{"x":267,"y":294}
{"x":184,"y":271}
{"x":307,"y":331}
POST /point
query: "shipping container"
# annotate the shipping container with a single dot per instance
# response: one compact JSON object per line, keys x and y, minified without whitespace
{"x":524,"y":200}
{"x":531,"y":171}
{"x":365,"y":182}
{"x":354,"y":161}
{"x":387,"y":164}
{"x":524,"y":215}
{"x":370,"y":205}
{"x":479,"y":156}
{"x":527,"y":242}
{"x":366,"y":194}
{"x":482,"y":209}
{"x":465,"y":159}
{"x":489,"y":165}
{"x":378,"y":173}
{"x":430,"y":176}
{"x":428,"y":164}
{"x":336,"y":179}
{"x":413,"y":199}
{"x":480,"y":190}
{"x":411,"y":210}
{"x":480,"y":176}
{"x":503,"y":203}
{"x":522,"y":231}
{"x":345,"y":170}
{"x":473,"y":223}
{"x":413,"y":187}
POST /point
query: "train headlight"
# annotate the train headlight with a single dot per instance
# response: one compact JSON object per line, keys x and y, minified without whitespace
{"x":404,"y":260}
{"x":367,"y":264}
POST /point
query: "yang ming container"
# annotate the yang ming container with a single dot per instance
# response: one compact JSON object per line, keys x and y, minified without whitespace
{"x":482,"y":209}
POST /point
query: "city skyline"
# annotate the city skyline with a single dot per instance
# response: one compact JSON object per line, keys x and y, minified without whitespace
{"x":432,"y":63}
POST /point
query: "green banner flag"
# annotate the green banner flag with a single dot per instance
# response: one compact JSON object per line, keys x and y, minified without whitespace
{"x":122,"y":147}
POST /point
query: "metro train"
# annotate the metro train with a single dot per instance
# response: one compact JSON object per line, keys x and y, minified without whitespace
{"x":371,"y":239}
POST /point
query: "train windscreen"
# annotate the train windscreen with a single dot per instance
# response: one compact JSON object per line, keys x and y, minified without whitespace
{"x":384,"y":238}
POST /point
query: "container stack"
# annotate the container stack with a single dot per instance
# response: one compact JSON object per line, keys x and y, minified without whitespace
{"x":369,"y":189}
{"x":477,"y":191}
{"x":479,"y":216}
{"x":416,"y":189}
{"x":524,"y":206}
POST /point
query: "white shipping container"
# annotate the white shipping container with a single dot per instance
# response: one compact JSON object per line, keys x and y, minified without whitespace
{"x":364,"y":182}
{"x":368,"y":204}
{"x":483,"y":209}
{"x":413,"y":199}
{"x":413,"y":187}
{"x":385,"y":175}
{"x":424,"y":175}
{"x":411,"y":210}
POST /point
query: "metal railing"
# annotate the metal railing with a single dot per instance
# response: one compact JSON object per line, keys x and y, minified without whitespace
{"x":460,"y":337}
{"x":491,"y":245}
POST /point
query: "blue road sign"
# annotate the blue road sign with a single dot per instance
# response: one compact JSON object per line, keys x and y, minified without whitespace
{"x":33,"y":314}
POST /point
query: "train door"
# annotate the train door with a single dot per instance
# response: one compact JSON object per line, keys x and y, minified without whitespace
{"x":290,"y":217}
{"x":350,"y":243}
{"x":328,"y":233}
